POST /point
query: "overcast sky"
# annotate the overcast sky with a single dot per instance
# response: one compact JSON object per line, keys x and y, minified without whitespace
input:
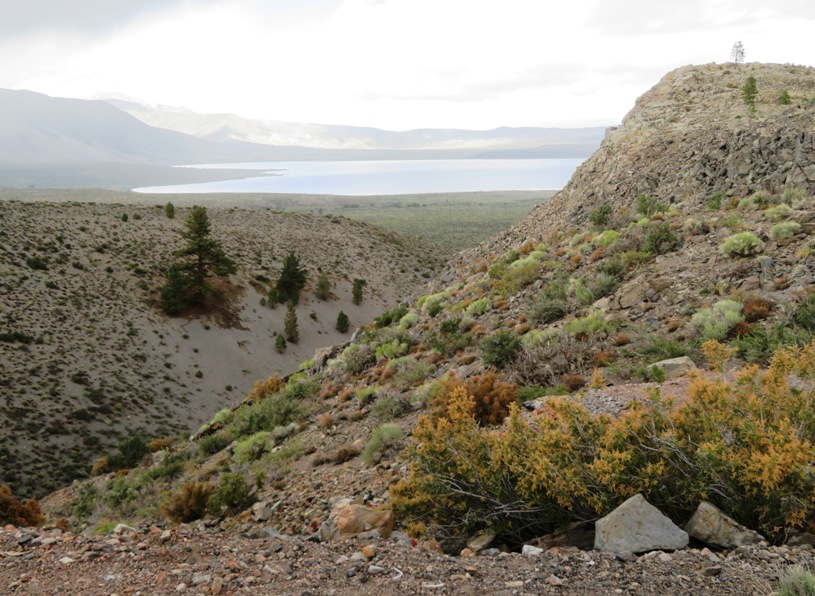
{"x":394,"y":64}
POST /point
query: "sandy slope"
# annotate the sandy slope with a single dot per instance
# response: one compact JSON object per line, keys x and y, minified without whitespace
{"x":96,"y":361}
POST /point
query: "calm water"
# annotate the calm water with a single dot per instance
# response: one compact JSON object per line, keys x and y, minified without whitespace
{"x":387,"y":177}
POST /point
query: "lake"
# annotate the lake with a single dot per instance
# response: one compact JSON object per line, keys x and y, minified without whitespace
{"x":387,"y":177}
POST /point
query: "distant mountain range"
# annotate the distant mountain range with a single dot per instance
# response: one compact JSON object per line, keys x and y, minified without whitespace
{"x":38,"y":129}
{"x":53,"y":142}
{"x":229,"y":127}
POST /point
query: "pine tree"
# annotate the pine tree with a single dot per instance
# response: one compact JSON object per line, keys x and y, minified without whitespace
{"x":199,"y":259}
{"x":357,"y":290}
{"x":290,"y":325}
{"x":280,"y":344}
{"x":169,"y":210}
{"x":749,"y":92}
{"x":342,"y":322}
{"x":292,"y":280}
{"x":323,"y":287}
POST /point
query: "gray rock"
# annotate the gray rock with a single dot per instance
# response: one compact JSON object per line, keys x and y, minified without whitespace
{"x":632,"y":293}
{"x":674,"y":367}
{"x":200,"y":578}
{"x":123,"y":528}
{"x":713,"y":527}
{"x":261,"y":511}
{"x":636,"y":526}
{"x":480,"y":542}
{"x":531,"y":551}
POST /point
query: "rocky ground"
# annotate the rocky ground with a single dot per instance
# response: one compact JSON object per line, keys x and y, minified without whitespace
{"x":199,"y":560}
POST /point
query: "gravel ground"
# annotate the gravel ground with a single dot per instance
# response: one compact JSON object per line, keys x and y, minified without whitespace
{"x":200,"y":560}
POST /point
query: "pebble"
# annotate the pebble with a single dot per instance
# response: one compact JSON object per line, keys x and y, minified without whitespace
{"x":369,"y":551}
{"x":374,"y":569}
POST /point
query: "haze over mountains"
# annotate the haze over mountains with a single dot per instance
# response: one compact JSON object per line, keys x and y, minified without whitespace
{"x":49,"y":141}
{"x":550,"y":142}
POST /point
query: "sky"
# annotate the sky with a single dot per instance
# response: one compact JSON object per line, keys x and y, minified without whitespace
{"x":392,"y":64}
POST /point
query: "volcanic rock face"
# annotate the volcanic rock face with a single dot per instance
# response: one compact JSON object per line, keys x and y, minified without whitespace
{"x":689,"y":137}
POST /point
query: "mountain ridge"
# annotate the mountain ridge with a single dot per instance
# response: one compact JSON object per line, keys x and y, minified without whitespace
{"x":330,"y":136}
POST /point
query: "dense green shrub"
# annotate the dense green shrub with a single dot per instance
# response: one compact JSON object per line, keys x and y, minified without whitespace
{"x":778,"y":212}
{"x":408,"y":321}
{"x":231,"y":495}
{"x":716,"y":321}
{"x":478,"y":307}
{"x":391,"y":316}
{"x":388,"y":407}
{"x":212,"y":444}
{"x":496,"y":271}
{"x":796,"y":580}
{"x":547,"y":310}
{"x":804,"y":314}
{"x":659,"y":239}
{"x":383,"y":437}
{"x":356,"y":358}
{"x":252,"y":447}
{"x":605,"y":238}
{"x":784,"y":230}
{"x":266,"y":414}
{"x":600,"y":216}
{"x":794,"y":196}
{"x":582,"y":292}
{"x":603,"y":284}
{"x":593,"y":324}
{"x":499,"y":349}
{"x":743,"y":244}
{"x":648,"y":205}
{"x":130,"y":452}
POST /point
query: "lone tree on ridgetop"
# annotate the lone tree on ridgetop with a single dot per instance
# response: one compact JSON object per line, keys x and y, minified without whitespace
{"x":202,"y":257}
{"x":737,"y":53}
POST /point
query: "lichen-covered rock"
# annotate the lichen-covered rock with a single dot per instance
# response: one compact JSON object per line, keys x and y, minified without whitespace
{"x":636,"y":526}
{"x":713,"y":527}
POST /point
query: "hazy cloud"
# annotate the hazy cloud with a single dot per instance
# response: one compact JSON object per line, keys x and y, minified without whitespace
{"x":646,"y":17}
{"x":83,"y":16}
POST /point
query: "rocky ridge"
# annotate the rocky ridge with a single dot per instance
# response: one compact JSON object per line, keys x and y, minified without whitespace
{"x":686,"y":139}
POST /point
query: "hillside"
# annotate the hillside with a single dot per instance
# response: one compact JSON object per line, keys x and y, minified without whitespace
{"x":515,"y":405}
{"x":690,"y":137}
{"x":88,"y":358}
